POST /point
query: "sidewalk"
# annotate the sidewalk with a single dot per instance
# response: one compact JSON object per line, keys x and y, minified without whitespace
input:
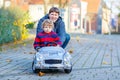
{"x":94,"y":57}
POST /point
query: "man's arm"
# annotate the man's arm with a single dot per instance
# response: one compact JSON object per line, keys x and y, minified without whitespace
{"x":39,"y":29}
{"x":61,"y":32}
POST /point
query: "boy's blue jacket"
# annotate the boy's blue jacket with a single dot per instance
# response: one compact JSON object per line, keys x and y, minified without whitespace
{"x":59,"y":27}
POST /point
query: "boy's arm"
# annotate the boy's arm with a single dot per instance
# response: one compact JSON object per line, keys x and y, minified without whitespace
{"x":36,"y":43}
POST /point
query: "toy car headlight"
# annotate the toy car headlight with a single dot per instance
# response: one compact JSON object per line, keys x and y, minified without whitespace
{"x":39,"y":56}
{"x":67,"y":57}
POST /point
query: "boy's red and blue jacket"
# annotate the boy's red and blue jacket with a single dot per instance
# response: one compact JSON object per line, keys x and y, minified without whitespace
{"x":43,"y":38}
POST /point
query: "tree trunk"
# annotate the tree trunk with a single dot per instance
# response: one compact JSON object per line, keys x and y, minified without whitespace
{"x":45,"y":6}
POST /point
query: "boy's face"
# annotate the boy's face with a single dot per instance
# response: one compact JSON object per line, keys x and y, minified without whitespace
{"x":53,"y":16}
{"x":47,"y":28}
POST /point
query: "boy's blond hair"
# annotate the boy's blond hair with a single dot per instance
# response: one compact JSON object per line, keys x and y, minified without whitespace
{"x":47,"y":22}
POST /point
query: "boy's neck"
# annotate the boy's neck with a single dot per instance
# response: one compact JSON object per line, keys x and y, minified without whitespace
{"x":47,"y":32}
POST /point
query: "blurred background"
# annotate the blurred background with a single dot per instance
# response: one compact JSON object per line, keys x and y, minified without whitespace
{"x":17,"y":17}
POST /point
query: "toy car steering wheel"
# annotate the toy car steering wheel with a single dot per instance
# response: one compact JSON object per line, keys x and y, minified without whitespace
{"x":51,"y":44}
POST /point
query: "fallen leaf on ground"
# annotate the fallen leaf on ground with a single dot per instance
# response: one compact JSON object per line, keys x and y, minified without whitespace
{"x":97,"y":41}
{"x":8,"y":60}
{"x":31,"y":52}
{"x":107,"y":55}
{"x":41,"y":73}
{"x":104,"y":62}
{"x":111,"y":49}
{"x":71,"y":51}
{"x":25,"y":52}
{"x":78,"y":38}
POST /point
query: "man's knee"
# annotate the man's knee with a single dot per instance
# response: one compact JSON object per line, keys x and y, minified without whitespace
{"x":67,"y":37}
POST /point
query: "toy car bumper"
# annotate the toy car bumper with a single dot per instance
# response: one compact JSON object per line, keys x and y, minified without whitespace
{"x":52,"y":66}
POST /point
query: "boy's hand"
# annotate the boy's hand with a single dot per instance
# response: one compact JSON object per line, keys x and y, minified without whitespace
{"x":38,"y":49}
{"x":58,"y":45}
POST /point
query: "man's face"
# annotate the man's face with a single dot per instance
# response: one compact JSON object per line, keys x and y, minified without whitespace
{"x":53,"y":16}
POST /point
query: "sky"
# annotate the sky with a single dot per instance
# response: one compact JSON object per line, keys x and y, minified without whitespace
{"x":112,"y":4}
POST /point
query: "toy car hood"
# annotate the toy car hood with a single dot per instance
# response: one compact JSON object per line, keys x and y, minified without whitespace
{"x":52,"y":52}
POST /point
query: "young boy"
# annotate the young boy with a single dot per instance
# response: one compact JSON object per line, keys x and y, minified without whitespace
{"x":46,"y":36}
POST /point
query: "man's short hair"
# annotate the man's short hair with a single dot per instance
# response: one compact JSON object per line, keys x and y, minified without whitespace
{"x":54,"y":9}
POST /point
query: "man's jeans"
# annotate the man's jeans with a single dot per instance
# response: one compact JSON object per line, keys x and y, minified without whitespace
{"x":66,"y":41}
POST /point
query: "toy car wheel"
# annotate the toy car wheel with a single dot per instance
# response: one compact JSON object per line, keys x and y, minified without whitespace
{"x":68,"y":70}
{"x":34,"y":69}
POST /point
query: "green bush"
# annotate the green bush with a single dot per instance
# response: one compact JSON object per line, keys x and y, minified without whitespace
{"x":12,"y":24}
{"x":30,"y":25}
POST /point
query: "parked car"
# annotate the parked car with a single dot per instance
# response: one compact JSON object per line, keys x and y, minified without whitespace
{"x":52,"y":57}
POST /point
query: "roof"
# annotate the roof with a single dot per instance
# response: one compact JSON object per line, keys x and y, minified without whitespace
{"x":36,"y":2}
{"x":93,"y":5}
{"x":51,"y":1}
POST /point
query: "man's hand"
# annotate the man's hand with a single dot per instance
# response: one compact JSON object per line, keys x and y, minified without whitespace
{"x":58,"y":46}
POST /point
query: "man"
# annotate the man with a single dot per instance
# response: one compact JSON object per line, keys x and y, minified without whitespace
{"x":59,"y":25}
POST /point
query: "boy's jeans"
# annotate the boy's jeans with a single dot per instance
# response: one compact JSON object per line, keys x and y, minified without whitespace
{"x":66,"y":41}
